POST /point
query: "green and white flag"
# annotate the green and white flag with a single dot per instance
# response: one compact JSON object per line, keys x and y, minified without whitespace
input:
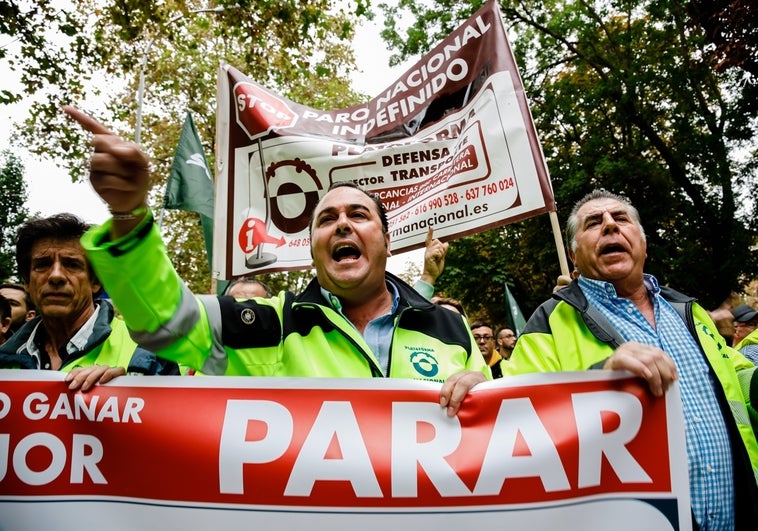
{"x":515,"y":317}
{"x":190,"y":185}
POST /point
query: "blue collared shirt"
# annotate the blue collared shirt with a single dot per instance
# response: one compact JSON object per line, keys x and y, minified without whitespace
{"x":378,"y":332}
{"x":751,"y":353}
{"x":708,"y":448}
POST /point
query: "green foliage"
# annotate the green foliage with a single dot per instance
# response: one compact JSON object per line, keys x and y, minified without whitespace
{"x":430,"y":22}
{"x":32,"y":25}
{"x":303,"y":49}
{"x":625,"y":96}
{"x":296,"y":48}
{"x":52,"y":53}
{"x":12,"y":211}
{"x":731,"y":26}
{"x":477,"y":268}
{"x":411,"y":273}
{"x":294,"y":281}
{"x":186,"y":247}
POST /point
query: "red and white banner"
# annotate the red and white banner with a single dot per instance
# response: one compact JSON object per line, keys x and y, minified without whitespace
{"x":450,"y":144}
{"x":589,"y":451}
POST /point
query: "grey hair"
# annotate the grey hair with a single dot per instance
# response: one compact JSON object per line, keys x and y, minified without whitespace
{"x":572,"y":224}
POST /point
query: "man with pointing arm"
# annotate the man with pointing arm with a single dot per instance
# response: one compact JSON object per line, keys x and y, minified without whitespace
{"x":353,"y":320}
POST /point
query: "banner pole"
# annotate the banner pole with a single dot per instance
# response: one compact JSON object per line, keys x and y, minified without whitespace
{"x":160,"y":217}
{"x":559,"y":243}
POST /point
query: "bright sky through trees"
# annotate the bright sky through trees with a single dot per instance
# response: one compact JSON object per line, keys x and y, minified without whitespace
{"x":51,"y":190}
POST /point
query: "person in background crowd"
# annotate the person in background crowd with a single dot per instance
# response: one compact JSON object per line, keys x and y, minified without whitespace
{"x":22,"y":309}
{"x":72,"y":331}
{"x":505,"y":342}
{"x":247,"y":288}
{"x":353,"y":320}
{"x":746,"y":331}
{"x":616,"y":317}
{"x":724,"y":320}
{"x":5,"y":319}
{"x":486,"y":342}
{"x":454,"y":305}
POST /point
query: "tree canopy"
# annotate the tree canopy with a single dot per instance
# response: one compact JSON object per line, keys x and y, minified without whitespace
{"x":731,"y":26}
{"x":303,"y":49}
{"x":12,"y":210}
{"x":626,"y":96}
{"x":654,"y":99}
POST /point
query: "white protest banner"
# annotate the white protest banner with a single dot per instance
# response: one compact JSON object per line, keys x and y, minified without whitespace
{"x":450,"y":144}
{"x":591,"y":450}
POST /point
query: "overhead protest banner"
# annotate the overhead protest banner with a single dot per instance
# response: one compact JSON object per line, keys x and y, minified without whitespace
{"x":450,"y":144}
{"x":591,"y":450}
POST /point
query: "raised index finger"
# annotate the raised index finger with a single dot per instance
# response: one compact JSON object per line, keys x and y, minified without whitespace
{"x":429,"y":236}
{"x":86,"y":121}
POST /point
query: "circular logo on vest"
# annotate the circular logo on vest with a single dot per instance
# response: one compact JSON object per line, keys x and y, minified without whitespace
{"x":247,"y":316}
{"x":425,"y":364}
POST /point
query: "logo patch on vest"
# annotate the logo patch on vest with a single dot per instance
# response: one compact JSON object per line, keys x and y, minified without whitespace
{"x":424,"y":363}
{"x":247,"y":316}
{"x":720,"y":345}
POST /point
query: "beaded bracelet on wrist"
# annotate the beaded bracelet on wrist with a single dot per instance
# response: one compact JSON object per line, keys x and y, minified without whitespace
{"x":137,"y":213}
